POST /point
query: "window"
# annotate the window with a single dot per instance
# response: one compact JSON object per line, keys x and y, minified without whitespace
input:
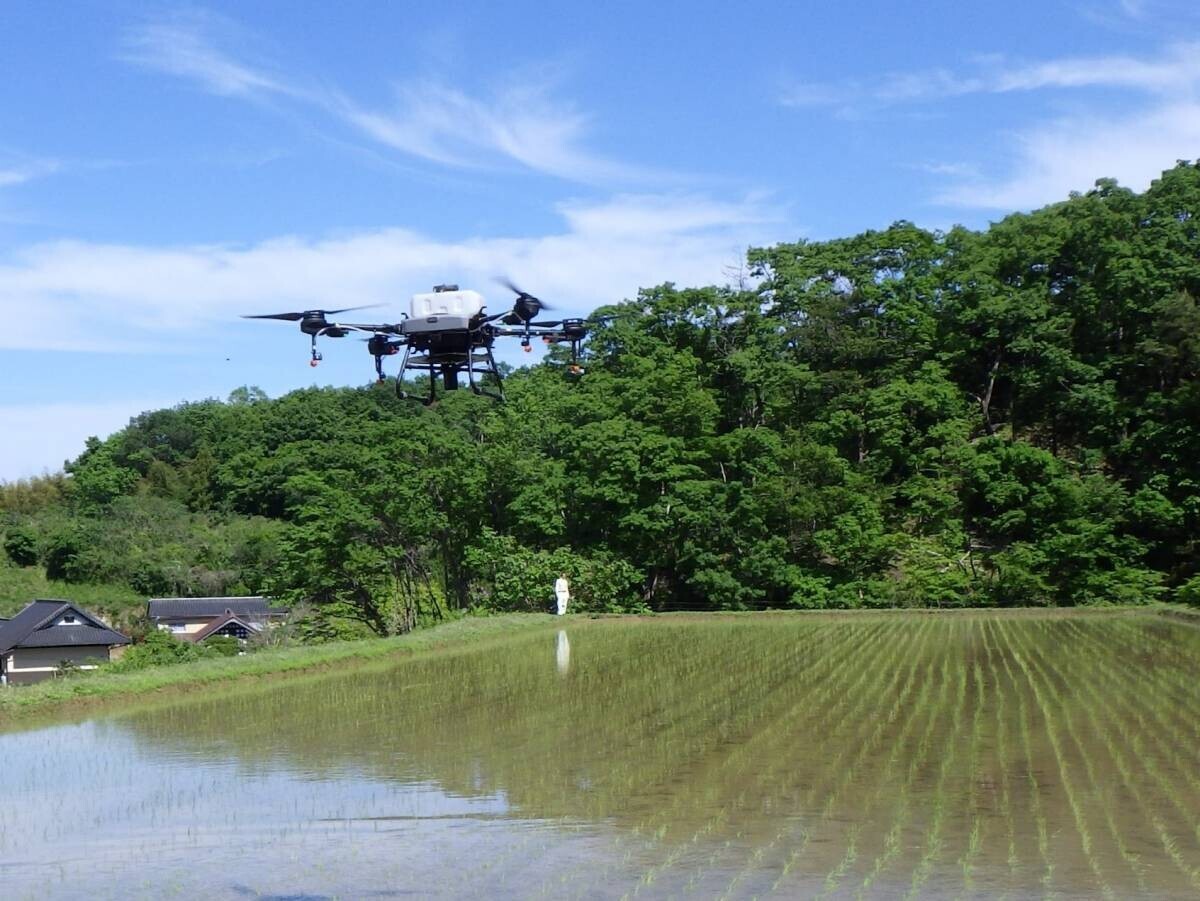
{"x":178,"y":627}
{"x":68,"y":620}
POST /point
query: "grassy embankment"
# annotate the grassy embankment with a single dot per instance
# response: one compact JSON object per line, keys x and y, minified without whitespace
{"x":91,"y":689}
{"x":21,"y":584}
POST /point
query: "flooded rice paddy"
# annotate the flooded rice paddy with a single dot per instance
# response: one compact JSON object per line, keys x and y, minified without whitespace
{"x":863,"y":756}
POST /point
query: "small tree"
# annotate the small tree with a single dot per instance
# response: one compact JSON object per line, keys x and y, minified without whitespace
{"x":20,"y":545}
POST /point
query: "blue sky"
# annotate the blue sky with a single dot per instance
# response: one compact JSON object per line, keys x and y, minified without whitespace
{"x":165,"y":168}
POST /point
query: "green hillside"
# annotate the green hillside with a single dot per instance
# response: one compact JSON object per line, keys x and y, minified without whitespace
{"x":898,"y":418}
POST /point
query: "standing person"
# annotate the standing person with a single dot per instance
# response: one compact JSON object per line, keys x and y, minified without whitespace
{"x":562,"y":591}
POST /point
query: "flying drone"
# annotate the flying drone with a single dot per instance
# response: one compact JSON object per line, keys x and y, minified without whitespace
{"x":447,"y":333}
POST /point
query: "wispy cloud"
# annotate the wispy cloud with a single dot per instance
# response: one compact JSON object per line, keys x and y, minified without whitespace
{"x":180,"y":46}
{"x":1175,"y":70}
{"x":20,"y":172}
{"x":519,"y":122}
{"x":78,"y":296}
{"x":1051,"y":158}
{"x":1069,"y":154}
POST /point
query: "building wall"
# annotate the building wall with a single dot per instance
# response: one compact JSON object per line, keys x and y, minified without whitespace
{"x":181,"y":628}
{"x":23,"y":665}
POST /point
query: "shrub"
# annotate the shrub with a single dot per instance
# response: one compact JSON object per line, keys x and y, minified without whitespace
{"x":159,"y":648}
{"x":20,"y":545}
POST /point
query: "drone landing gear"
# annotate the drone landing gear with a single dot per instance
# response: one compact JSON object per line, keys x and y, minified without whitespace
{"x":474,"y":365}
{"x":421,"y":363}
{"x":488,"y":366}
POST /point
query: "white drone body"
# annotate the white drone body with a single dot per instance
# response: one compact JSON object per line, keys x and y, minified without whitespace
{"x":438,"y":310}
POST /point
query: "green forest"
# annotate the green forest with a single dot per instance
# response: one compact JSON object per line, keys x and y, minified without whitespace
{"x":1005,"y":417}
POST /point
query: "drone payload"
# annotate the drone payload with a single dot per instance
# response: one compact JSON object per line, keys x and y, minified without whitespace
{"x":447,"y":333}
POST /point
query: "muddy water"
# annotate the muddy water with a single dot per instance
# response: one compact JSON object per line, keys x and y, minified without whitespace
{"x":873,"y":756}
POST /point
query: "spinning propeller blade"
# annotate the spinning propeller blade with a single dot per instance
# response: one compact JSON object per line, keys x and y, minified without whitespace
{"x":527,"y":306}
{"x":287,"y":317}
{"x":310,"y":314}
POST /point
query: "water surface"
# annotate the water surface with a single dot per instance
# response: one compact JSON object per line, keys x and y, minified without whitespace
{"x":862,"y":756}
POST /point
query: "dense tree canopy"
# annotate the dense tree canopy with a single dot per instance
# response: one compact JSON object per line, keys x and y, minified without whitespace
{"x":1006,"y":417}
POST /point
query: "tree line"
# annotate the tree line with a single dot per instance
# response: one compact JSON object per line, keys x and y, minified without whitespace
{"x":1001,"y":417}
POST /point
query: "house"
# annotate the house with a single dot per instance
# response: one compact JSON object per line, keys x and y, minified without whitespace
{"x":36,"y":642}
{"x":195,"y":619}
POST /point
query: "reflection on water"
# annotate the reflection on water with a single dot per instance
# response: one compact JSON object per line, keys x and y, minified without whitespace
{"x":562,"y":653}
{"x":861,"y":756}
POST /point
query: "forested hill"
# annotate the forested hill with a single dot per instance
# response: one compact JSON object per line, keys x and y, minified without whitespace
{"x":1009,"y":417}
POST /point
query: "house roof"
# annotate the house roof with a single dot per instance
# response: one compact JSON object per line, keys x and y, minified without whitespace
{"x":33,"y":628}
{"x":199,"y":608}
{"x":222,"y":621}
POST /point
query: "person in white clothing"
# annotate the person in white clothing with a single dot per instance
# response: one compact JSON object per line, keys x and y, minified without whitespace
{"x":562,"y":591}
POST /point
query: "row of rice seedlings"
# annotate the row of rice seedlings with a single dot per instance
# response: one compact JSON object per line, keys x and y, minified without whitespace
{"x":662,"y":716}
{"x":975,"y":836}
{"x":822,"y":675}
{"x":842,"y":720}
{"x":844,"y":772}
{"x":1161,"y":732}
{"x":917,"y":756}
{"x":1096,"y":657}
{"x":663,"y":727}
{"x":913,"y":663}
{"x":1035,"y":802}
{"x":1001,"y":752}
{"x":1132,"y":786}
{"x":934,"y":841}
{"x":1170,"y":741}
{"x":832,"y":722}
{"x":1170,"y":683}
{"x":1104,"y":789}
{"x":1074,"y":801}
{"x":1108,"y":691}
{"x":1106,"y":703}
{"x":1174,"y":648}
{"x":817,"y":703}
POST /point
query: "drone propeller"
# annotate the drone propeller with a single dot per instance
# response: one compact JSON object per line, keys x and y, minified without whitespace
{"x":310,"y":314}
{"x":526,"y":306}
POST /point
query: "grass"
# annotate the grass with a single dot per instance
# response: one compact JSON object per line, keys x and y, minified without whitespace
{"x":88,"y":690}
{"x":21,"y":584}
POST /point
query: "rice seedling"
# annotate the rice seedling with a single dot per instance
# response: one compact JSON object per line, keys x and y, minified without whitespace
{"x":1002,"y":750}
{"x":934,"y":841}
{"x":1034,"y":784}
{"x":1067,"y":779}
{"x":1100,"y":709}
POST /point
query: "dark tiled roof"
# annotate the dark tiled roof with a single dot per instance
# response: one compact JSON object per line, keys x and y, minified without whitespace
{"x":31,"y":628}
{"x":72,"y":637}
{"x":184,"y":608}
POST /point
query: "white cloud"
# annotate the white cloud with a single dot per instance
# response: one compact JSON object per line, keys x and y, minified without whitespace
{"x":179,"y":47}
{"x":518,"y":122}
{"x":521,"y":123}
{"x":1070,"y":154}
{"x":1174,"y":71}
{"x":39,"y":437}
{"x":1049,"y":159}
{"x":19,"y":173}
{"x":84,"y":296}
